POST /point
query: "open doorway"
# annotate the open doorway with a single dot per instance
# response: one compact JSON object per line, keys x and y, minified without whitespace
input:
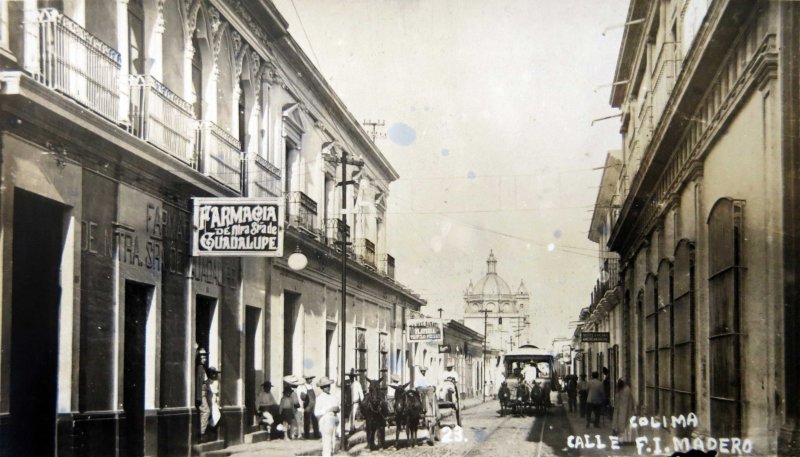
{"x":204,"y":334}
{"x":137,"y":308}
{"x":291,"y":302}
{"x":35,"y":296}
{"x":252,"y":317}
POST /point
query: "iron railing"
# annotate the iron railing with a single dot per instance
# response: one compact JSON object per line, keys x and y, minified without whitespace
{"x":162,"y":118}
{"x":266,"y":177}
{"x":387,"y":265}
{"x":301,"y":211}
{"x":365,"y":251}
{"x":333,"y":229}
{"x":220,"y":155}
{"x":78,"y":64}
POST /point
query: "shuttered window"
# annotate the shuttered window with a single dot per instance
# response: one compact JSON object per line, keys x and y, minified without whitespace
{"x":651,"y":343}
{"x":683,"y":325}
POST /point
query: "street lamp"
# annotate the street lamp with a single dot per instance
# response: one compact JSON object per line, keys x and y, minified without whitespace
{"x":344,"y":161}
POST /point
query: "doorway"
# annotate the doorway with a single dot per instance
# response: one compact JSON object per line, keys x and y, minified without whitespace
{"x":137,"y":308}
{"x":205,"y":317}
{"x":35,"y":295}
{"x":252,"y":317}
{"x":290,"y":305}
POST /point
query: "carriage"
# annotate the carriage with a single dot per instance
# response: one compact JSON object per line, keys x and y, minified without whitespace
{"x":518,"y":396}
{"x":436,"y":414}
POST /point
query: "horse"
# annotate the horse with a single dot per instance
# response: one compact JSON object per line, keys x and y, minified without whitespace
{"x":538,"y":398}
{"x":375,"y":409}
{"x":504,"y":394}
{"x":408,"y":413}
{"x":522,"y":399}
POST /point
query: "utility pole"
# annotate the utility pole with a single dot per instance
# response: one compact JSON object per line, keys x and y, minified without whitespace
{"x":373,"y":126}
{"x":440,"y":312}
{"x":343,"y":232}
{"x":485,"y":317}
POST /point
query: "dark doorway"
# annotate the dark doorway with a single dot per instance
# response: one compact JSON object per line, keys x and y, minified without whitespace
{"x":35,"y":295}
{"x":137,"y":306}
{"x":252,"y":316}
{"x":290,"y":301}
{"x":205,"y":315}
{"x":328,"y":348}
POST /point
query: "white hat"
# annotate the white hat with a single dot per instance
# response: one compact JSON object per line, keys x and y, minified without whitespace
{"x":292,"y":380}
{"x":324,"y":381}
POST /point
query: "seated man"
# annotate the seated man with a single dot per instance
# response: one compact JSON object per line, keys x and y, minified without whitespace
{"x":424,"y":389}
{"x":448,"y":382}
{"x":529,"y":374}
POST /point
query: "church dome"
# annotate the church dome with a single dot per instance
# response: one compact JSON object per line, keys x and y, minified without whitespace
{"x":491,"y":283}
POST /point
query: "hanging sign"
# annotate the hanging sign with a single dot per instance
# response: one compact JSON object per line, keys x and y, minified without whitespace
{"x":444,"y":349}
{"x":238,"y":227}
{"x":424,"y":329}
{"x":595,"y":337}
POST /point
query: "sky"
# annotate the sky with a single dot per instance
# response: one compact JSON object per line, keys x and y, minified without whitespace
{"x":488,"y":109}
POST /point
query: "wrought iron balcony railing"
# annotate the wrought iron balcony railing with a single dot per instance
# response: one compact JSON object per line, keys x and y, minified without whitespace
{"x":78,"y":64}
{"x":220,"y":155}
{"x":365,"y":251}
{"x":301,"y":212}
{"x":266,"y":177}
{"x":333,"y":229}
{"x":162,"y":118}
{"x":387,"y":265}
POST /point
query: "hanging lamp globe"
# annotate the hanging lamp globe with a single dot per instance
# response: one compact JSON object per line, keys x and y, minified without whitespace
{"x":297,"y":260}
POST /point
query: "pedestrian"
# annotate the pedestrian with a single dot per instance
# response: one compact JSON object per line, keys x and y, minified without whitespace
{"x":583,"y":391}
{"x":356,"y":396}
{"x":215,"y":412}
{"x":606,"y":409}
{"x":624,"y":409}
{"x":201,"y":392}
{"x":268,"y":409}
{"x":595,"y":400}
{"x":326,"y":410}
{"x":572,"y":392}
{"x":288,"y":407}
{"x":308,"y":399}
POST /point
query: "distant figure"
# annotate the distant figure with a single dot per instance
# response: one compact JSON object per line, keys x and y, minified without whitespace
{"x":421,"y":382}
{"x":356,"y":397}
{"x":326,"y":410}
{"x":572,"y":393}
{"x":529,"y":374}
{"x":624,"y":409}
{"x":288,"y":407}
{"x":201,"y":391}
{"x":606,"y":408}
{"x":213,"y":401}
{"x":267,"y":409}
{"x":595,"y":400}
{"x":583,"y":391}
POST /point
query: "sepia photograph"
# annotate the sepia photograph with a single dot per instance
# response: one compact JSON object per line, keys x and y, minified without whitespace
{"x":410,"y":228}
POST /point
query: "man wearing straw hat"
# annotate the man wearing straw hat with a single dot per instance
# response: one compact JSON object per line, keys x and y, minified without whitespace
{"x":326,"y":410}
{"x":288,"y":407}
{"x":356,"y":395}
{"x":308,"y":399}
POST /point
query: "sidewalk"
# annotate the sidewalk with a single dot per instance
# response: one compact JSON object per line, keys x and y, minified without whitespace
{"x":283,"y":448}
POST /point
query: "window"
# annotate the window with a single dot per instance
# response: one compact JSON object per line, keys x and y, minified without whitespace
{"x":197,"y":80}
{"x":361,"y":353}
{"x":136,"y":37}
{"x":383,"y":358}
{"x":683,"y":325}
{"x":724,"y":294}
{"x":665,"y":331}
{"x":651,"y":344}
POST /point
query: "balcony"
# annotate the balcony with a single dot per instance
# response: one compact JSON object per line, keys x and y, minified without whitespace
{"x":162,"y":118}
{"x":387,"y":265}
{"x":266,"y":178}
{"x":220,"y":155}
{"x":301,"y":212}
{"x":76,"y":63}
{"x":365,"y":252}
{"x":333,"y":229}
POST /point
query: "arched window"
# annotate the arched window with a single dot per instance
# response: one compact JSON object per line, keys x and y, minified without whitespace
{"x":197,"y":79}
{"x":683,"y":325}
{"x":724,"y":297}
{"x":664,"y":310}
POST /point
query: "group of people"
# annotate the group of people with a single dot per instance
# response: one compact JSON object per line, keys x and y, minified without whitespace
{"x":594,"y":398}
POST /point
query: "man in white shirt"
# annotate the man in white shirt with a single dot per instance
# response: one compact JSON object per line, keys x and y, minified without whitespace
{"x":421,"y":381}
{"x":356,"y":396}
{"x":326,"y":409}
{"x":448,"y":381}
{"x":529,"y":374}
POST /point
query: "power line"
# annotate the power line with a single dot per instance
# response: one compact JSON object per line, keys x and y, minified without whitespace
{"x":310,"y":46}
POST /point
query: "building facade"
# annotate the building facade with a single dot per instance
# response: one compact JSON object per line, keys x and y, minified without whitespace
{"x":493,"y":308}
{"x":703,"y":314}
{"x":113,"y":116}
